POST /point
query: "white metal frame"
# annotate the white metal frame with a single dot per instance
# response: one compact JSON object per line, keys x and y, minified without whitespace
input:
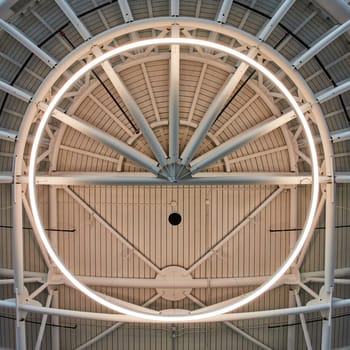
{"x":18,"y":170}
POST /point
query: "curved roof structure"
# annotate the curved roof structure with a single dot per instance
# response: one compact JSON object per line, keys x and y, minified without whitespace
{"x":174,"y":174}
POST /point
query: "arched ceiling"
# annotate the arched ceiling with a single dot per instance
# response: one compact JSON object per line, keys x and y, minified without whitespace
{"x":179,"y":129}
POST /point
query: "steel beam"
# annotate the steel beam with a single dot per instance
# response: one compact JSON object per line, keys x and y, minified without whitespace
{"x":226,"y":91}
{"x":230,"y":325}
{"x":108,"y":140}
{"x":111,"y":329}
{"x":18,"y":263}
{"x":340,"y":135}
{"x":6,"y":178}
{"x":330,"y":249}
{"x":223,"y":12}
{"x":238,"y":141}
{"x":275,"y":19}
{"x":134,"y":109}
{"x":7,"y":281}
{"x":19,"y":93}
{"x":174,"y":8}
{"x":116,"y":81}
{"x":77,"y":23}
{"x":227,"y":237}
{"x":229,"y":282}
{"x":43,"y":324}
{"x":109,"y":228}
{"x":322,"y":280}
{"x":35,"y":231}
{"x":8,"y":135}
{"x":55,"y":331}
{"x":144,"y":179}
{"x":333,"y":92}
{"x":291,"y":322}
{"x":125,"y":10}
{"x":53,"y":222}
{"x":30,"y":45}
{"x":303,"y":323}
{"x":321,"y":44}
{"x":211,"y":114}
{"x":293,"y":214}
{"x":174,"y":98}
{"x":110,"y":317}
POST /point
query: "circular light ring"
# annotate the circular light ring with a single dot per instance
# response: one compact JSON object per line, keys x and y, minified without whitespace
{"x":202,"y":313}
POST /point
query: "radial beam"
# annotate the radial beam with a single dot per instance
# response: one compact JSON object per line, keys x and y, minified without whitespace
{"x":273,"y":22}
{"x":223,"y":11}
{"x":30,"y":45}
{"x":8,"y":135}
{"x":238,"y":141}
{"x":117,"y":82}
{"x":340,"y":135}
{"x":174,"y":98}
{"x":19,"y":93}
{"x":108,"y":140}
{"x":135,"y":111}
{"x":125,"y":10}
{"x":77,"y":23}
{"x":334,"y":91}
{"x":226,"y":91}
{"x":321,"y":44}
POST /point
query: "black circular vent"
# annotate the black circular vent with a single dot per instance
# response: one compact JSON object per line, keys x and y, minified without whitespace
{"x":174,"y":219}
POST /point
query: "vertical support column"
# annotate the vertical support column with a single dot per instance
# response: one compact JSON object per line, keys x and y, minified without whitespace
{"x":174,"y":96}
{"x":292,"y":240}
{"x":330,"y":241}
{"x":17,"y":248}
{"x":55,"y":320}
{"x":55,"y":335}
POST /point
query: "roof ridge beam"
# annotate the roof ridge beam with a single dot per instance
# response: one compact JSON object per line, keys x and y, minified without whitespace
{"x":28,"y":43}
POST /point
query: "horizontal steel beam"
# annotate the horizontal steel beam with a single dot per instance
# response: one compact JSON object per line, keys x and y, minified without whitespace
{"x":141,"y":179}
{"x":229,"y":282}
{"x":336,"y":304}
